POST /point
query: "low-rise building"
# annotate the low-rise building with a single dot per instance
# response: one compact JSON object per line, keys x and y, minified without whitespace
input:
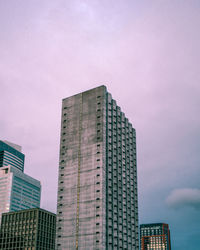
{"x":155,"y":236}
{"x":30,"y":229}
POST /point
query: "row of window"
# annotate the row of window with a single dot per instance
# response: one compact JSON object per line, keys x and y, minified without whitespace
{"x":120,"y":142}
{"x":98,"y":175}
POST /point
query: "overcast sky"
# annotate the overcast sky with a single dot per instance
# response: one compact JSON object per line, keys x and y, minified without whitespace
{"x":147,"y":53}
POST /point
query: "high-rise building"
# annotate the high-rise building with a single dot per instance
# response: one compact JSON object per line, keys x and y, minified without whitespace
{"x":33,"y":229}
{"x":17,"y":189}
{"x":10,"y":154}
{"x":97,"y":204}
{"x":155,"y":236}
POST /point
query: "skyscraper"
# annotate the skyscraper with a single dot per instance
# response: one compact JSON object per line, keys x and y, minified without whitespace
{"x":97,"y":204}
{"x":155,"y":236}
{"x":10,"y":154}
{"x":17,"y":189}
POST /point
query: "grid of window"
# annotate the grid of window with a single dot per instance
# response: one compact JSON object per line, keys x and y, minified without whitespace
{"x":24,"y":194}
{"x":18,"y":190}
{"x":10,"y":159}
{"x":11,"y":156}
{"x":122,"y":218}
{"x":28,"y":229}
{"x":97,"y":186}
{"x":155,"y":236}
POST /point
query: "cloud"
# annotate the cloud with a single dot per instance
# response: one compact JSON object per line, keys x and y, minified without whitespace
{"x":184,"y":197}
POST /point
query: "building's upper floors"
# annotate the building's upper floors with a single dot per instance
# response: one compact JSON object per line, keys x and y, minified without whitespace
{"x":18,"y":190}
{"x":10,"y":154}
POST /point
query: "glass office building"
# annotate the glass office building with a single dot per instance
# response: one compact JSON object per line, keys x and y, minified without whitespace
{"x":18,"y":190}
{"x":11,"y":155}
{"x":31,"y":229}
{"x":155,"y":236}
{"x":97,"y":204}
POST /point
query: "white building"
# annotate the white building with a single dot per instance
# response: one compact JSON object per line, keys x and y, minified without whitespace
{"x":17,"y":189}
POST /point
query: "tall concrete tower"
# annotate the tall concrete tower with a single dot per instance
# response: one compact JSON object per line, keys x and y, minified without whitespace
{"x":97,"y":188}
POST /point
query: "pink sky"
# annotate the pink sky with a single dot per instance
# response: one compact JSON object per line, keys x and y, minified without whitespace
{"x":147,"y":54}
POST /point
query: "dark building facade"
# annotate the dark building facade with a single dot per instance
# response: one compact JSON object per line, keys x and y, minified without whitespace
{"x":10,"y":154}
{"x":155,"y":236}
{"x":30,"y":229}
{"x":97,"y":189}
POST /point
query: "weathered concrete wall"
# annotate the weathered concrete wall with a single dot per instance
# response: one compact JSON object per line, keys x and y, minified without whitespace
{"x":97,"y":189}
{"x":80,"y":172}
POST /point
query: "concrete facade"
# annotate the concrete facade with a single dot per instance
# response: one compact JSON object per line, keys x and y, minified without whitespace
{"x":97,"y":187}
